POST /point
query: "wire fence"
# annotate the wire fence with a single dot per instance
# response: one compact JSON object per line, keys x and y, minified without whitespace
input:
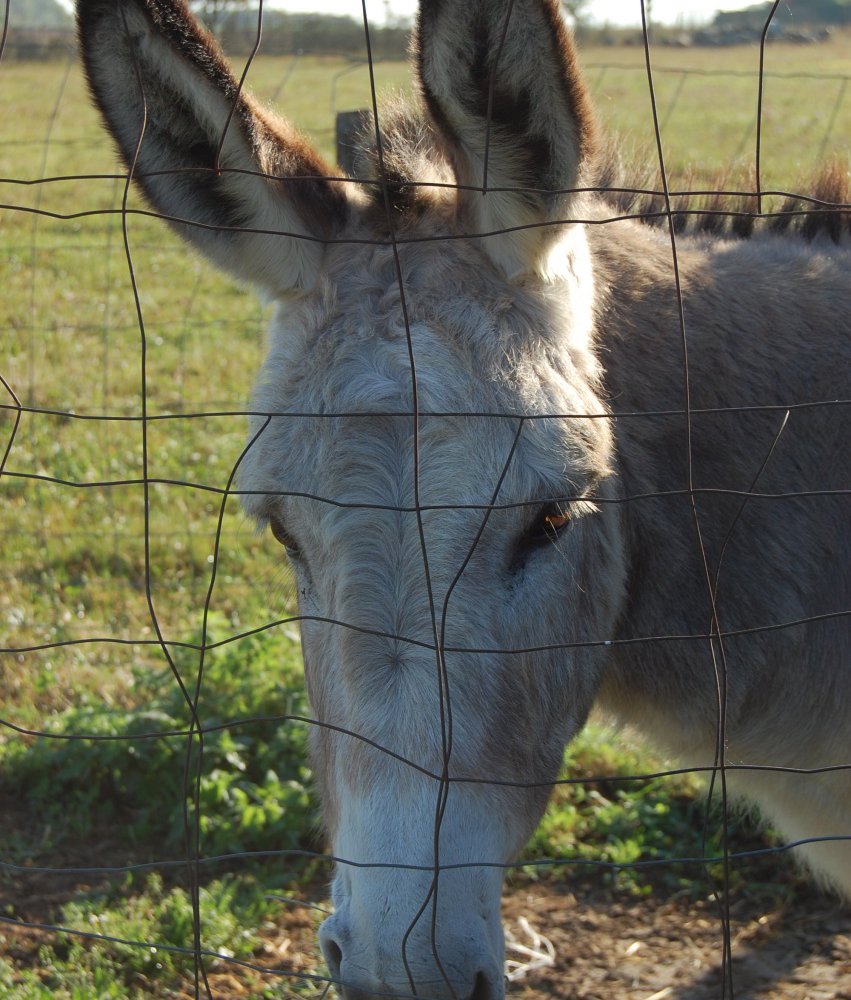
{"x":126,"y":366}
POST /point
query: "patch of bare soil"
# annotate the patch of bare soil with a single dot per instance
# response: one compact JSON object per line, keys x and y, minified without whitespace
{"x":606,"y":946}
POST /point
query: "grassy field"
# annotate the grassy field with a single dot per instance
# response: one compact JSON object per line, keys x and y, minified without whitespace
{"x":72,"y":531}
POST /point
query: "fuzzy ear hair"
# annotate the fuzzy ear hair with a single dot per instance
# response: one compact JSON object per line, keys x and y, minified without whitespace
{"x":412,"y":168}
{"x":501,"y":82}
{"x":261,"y":205}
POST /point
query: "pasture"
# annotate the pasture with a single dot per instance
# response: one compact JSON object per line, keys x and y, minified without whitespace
{"x":75,"y":568}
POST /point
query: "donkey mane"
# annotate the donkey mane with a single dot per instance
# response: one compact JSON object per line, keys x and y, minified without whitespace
{"x":415,"y":171}
{"x":726,"y":204}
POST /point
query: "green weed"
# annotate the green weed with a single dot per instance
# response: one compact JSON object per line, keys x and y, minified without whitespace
{"x":253,"y":777}
{"x":648,"y":831}
{"x":137,"y":941}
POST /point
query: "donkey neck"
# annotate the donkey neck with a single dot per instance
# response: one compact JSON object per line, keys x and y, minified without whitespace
{"x":698,"y":404}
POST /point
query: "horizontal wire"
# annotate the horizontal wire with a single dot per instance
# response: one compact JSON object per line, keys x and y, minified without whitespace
{"x":400,"y":509}
{"x":369,"y":414}
{"x":213,"y":173}
{"x":424,"y":644}
{"x":174,"y":949}
{"x":402,"y":759}
{"x":555,"y":862}
{"x":750,"y":74}
{"x":827,"y":208}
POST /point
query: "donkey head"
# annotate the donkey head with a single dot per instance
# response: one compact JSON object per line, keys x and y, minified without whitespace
{"x":440,"y":502}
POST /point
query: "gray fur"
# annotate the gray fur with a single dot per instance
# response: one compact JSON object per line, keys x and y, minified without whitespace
{"x":573,"y":326}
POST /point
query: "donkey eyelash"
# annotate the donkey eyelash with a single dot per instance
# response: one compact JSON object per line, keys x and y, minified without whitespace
{"x":549,"y":522}
{"x":282,"y":536}
{"x":556,"y":520}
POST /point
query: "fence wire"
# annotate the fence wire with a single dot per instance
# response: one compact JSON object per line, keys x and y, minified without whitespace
{"x":173,"y":573}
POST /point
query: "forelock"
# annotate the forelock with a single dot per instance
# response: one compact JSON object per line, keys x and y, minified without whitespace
{"x":411,"y":174}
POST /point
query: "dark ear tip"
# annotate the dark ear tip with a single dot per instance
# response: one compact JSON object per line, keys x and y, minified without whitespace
{"x":92,"y":13}
{"x":160,"y":12}
{"x":86,"y":12}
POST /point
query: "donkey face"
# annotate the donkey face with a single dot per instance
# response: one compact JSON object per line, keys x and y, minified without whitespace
{"x":437,"y":555}
{"x":493,"y":562}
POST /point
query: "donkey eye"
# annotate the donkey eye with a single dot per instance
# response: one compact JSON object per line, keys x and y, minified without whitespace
{"x":280,"y":534}
{"x":547,"y":525}
{"x":555,"y":520}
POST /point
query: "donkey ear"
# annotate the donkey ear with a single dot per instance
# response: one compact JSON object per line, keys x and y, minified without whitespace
{"x":501,"y":82}
{"x":241,"y":186}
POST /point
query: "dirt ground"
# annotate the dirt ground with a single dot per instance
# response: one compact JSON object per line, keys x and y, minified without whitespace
{"x":581,"y":942}
{"x":611,"y":947}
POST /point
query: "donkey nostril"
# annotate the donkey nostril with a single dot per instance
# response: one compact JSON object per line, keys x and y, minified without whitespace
{"x":481,"y":988}
{"x":333,"y":957}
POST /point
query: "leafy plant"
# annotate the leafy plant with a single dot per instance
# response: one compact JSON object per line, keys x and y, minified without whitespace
{"x":644,"y":830}
{"x":144,"y":931}
{"x":250,"y":772}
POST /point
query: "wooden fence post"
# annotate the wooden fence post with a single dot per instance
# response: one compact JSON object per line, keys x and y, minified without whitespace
{"x":349,"y":124}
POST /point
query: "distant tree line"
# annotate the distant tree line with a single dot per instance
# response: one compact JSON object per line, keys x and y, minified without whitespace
{"x":810,"y":22}
{"x":284,"y":33}
{"x":828,"y":11}
{"x":822,"y":12}
{"x":43,"y":29}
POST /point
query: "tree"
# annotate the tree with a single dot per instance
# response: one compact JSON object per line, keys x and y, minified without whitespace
{"x":214,"y":13}
{"x":42,"y":14}
{"x":577,"y":9}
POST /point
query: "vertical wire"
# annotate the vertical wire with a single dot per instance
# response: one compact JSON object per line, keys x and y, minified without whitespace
{"x":33,"y":309}
{"x":720,"y":670}
{"x":285,"y":79}
{"x":18,"y":408}
{"x":217,"y":168}
{"x":445,"y":709}
{"x":675,"y":99}
{"x":715,"y":584}
{"x":51,"y":124}
{"x":834,"y":114}
{"x":432,"y":895}
{"x":5,"y":35}
{"x":195,"y":779}
{"x":196,"y":695}
{"x":744,"y":502}
{"x":199,"y":971}
{"x":759,"y":101}
{"x":184,"y":425}
{"x":16,"y":423}
{"x":12,"y":394}
{"x":16,"y":420}
{"x":105,"y":385}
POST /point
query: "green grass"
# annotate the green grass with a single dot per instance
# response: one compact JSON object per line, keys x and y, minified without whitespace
{"x":74,"y":563}
{"x":73,"y":558}
{"x":253,"y":789}
{"x":708,"y":118}
{"x":152,"y":927}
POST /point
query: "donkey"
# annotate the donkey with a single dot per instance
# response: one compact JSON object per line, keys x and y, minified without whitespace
{"x":520,"y":463}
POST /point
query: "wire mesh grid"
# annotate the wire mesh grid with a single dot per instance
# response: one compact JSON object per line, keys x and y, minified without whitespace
{"x":123,"y":427}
